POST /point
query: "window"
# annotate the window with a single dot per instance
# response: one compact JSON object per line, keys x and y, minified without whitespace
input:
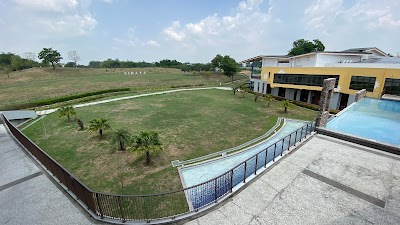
{"x":362,"y":82}
{"x":303,"y":79}
{"x":392,"y":86}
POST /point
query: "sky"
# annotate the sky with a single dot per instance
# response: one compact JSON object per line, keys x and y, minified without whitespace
{"x":194,"y":30}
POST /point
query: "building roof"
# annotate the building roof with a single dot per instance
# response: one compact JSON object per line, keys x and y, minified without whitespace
{"x":365,"y":49}
{"x":383,"y":60}
{"x":260,"y":57}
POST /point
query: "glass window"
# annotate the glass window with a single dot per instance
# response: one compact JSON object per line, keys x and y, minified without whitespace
{"x":362,"y":82}
{"x":303,"y":79}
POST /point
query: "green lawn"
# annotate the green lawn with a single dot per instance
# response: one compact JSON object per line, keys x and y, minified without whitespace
{"x":43,"y":83}
{"x":190,"y":123}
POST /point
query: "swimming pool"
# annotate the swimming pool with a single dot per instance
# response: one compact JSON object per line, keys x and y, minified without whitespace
{"x":374,"y":119}
{"x":255,"y":156}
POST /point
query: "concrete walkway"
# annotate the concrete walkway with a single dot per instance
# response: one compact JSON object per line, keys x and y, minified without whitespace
{"x":325,"y":181}
{"x":27,"y":195}
{"x":48,"y":111}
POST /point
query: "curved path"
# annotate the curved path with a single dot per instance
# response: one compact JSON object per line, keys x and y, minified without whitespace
{"x":48,"y":111}
{"x":27,"y":194}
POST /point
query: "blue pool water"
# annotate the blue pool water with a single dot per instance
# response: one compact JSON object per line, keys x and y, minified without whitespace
{"x":264,"y":152}
{"x":374,"y":119}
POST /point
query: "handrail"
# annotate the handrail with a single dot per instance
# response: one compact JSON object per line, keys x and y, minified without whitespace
{"x":157,"y":207}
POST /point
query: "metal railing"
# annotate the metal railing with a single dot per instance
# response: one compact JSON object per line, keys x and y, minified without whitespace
{"x":171,"y":205}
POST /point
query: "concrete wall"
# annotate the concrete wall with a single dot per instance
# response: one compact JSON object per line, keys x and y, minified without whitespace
{"x":269,"y":62}
{"x":304,"y":61}
{"x":352,"y":98}
{"x":335,"y":101}
{"x":323,"y":59}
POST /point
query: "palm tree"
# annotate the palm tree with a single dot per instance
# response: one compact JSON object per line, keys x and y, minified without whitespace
{"x":121,"y":137}
{"x":269,"y":98}
{"x":67,"y":111}
{"x":286,"y":104}
{"x":147,"y":141}
{"x":100,"y":125}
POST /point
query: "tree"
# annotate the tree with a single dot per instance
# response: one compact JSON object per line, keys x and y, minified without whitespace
{"x":229,"y":66}
{"x":302,"y":46}
{"x":268,"y":98}
{"x":74,"y":57}
{"x":286,"y":104}
{"x":48,"y":55}
{"x":122,"y":136}
{"x":217,"y":61}
{"x":70,"y":64}
{"x":147,"y":141}
{"x":66,"y":112}
{"x":100,"y":125}
{"x":16,"y":62}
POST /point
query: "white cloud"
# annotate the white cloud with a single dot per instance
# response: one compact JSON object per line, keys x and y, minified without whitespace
{"x":153,"y":43}
{"x":66,"y":18}
{"x":173,"y":32}
{"x":48,"y":5}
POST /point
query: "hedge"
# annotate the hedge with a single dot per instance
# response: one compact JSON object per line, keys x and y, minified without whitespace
{"x":50,"y":101}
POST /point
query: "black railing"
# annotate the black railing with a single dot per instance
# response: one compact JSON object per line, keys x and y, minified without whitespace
{"x":168,"y":205}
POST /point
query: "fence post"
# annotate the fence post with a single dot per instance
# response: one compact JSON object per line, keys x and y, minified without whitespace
{"x":215,"y":190}
{"x":283,"y":144}
{"x":84,"y":195}
{"x":273,"y":159}
{"x":301,"y":134}
{"x":99,"y":205}
{"x":266,"y":156}
{"x":290,"y":138}
{"x":307,"y":130}
{"x":231,"y":180}
{"x":73,"y":184}
{"x":295,"y":138}
{"x":255,"y":167}
{"x":244,"y":174}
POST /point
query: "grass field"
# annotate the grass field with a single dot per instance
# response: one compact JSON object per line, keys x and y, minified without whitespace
{"x":43,"y":83}
{"x":190,"y":123}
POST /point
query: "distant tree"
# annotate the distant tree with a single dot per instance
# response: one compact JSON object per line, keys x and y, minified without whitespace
{"x":48,"y":55}
{"x":66,"y":112}
{"x":74,"y":57}
{"x":7,"y":69}
{"x":16,"y":62}
{"x":147,"y":141}
{"x":70,"y":64}
{"x":30,"y":56}
{"x":302,"y":46}
{"x":229,"y":66}
{"x":286,"y":104}
{"x":94,"y":64}
{"x":217,"y":61}
{"x":268,"y":98}
{"x":121,"y":136}
{"x":99,"y":125}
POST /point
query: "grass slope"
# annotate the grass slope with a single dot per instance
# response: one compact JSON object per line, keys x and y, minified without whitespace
{"x":191,"y":124}
{"x":43,"y":83}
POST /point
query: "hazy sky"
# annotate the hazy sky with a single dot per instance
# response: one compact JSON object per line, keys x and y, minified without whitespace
{"x":194,"y":30}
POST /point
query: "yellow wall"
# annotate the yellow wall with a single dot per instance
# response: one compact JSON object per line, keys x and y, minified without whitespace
{"x":344,"y":73}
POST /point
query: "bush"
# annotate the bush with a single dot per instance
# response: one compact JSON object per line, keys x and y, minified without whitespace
{"x":50,"y":101}
{"x":301,"y":104}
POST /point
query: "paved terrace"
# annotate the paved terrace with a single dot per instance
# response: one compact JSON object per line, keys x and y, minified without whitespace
{"x":27,"y":195}
{"x":325,"y":181}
